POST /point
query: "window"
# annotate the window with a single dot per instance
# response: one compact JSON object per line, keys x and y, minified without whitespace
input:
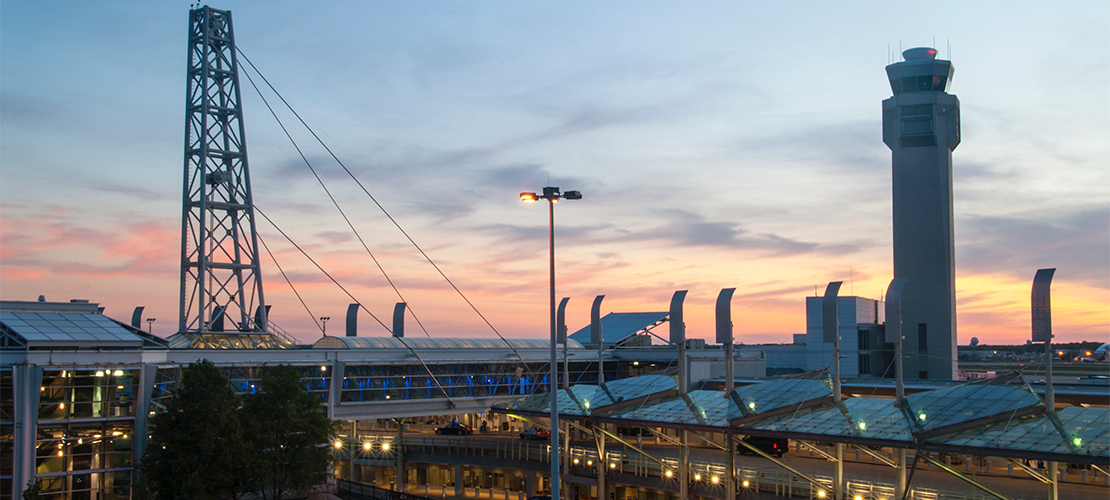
{"x":917,"y":110}
{"x":865,"y":363}
{"x":917,"y":126}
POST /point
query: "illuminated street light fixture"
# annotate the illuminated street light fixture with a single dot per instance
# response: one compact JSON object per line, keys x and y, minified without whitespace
{"x":150,"y":325}
{"x":552,"y":195}
{"x":324,"y":328}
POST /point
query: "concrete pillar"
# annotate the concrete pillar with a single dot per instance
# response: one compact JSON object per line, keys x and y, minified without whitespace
{"x":602,"y":467}
{"x":458,"y":480}
{"x":147,"y":377}
{"x":26,"y":381}
{"x":399,"y":452}
{"x":683,"y":465}
{"x":1053,"y":493}
{"x":529,"y":482}
{"x":730,"y":467}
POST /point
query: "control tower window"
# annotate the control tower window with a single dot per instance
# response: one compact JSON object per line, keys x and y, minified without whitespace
{"x":939,"y":82}
{"x":896,"y":86}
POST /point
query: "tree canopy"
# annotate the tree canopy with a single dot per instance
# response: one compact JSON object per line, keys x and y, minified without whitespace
{"x":210,"y":443}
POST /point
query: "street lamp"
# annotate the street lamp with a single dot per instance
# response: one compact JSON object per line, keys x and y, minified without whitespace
{"x":552,"y":195}
{"x":324,"y":320}
{"x":150,"y":325}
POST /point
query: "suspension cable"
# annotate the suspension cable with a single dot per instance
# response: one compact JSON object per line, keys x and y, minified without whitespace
{"x":334,"y":201}
{"x":290,"y":283}
{"x":373,"y":199}
{"x":352,"y":297}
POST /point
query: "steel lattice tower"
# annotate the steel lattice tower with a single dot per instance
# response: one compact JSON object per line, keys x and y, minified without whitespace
{"x":220,"y":277}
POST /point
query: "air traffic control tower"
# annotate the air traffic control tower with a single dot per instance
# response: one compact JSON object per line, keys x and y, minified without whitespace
{"x":921,"y":125}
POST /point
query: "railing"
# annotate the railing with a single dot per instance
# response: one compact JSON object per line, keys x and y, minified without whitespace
{"x":353,"y":490}
{"x":775,"y":480}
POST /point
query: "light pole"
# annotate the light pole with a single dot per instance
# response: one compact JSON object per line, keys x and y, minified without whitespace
{"x":150,"y":325}
{"x":324,"y":328}
{"x":552,"y":195}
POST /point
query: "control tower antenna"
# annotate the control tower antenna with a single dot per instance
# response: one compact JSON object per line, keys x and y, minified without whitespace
{"x":220,"y":277}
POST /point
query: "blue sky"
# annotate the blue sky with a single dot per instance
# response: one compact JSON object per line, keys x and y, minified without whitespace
{"x":720,"y":144}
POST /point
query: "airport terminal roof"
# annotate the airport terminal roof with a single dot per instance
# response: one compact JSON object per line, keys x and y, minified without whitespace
{"x":616,"y":327}
{"x":433,"y":343}
{"x":1001,"y":416}
{"x":66,"y":325}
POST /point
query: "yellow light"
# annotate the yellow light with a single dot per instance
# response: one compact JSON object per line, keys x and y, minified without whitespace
{"x":80,"y":441}
{"x":587,"y":405}
{"x":116,"y":433}
{"x":820,"y":494}
{"x":746,"y":483}
{"x":528,"y":197}
{"x":635,"y":363}
{"x":61,"y":406}
{"x":98,"y":436}
{"x":859,"y":497}
{"x":387,"y":396}
{"x":751,"y":405}
{"x":119,"y":387}
{"x":323,"y":368}
{"x":339,"y":444}
{"x":366,"y":446}
{"x":385,"y":446}
{"x":576,"y":461}
{"x":117,"y":373}
{"x":612,"y":466}
{"x":669,"y":473}
{"x":716,"y":479}
{"x":697,"y":477}
{"x":589,"y":462}
{"x":100,"y":373}
{"x":59,"y":453}
{"x":42,"y":388}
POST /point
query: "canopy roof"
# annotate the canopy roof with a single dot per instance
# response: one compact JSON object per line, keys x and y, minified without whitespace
{"x":616,"y":327}
{"x":1000,"y":416}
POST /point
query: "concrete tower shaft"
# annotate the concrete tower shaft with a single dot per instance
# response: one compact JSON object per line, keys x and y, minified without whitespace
{"x":921,"y":125}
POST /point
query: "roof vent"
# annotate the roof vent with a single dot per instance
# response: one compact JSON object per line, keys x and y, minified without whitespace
{"x":42,"y":298}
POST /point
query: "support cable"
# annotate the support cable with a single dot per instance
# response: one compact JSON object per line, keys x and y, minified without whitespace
{"x":352,"y":297}
{"x":379,"y":205}
{"x":290,"y":283}
{"x":333,"y":200}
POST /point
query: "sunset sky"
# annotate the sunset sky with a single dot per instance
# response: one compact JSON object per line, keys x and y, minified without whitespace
{"x":716,"y":144}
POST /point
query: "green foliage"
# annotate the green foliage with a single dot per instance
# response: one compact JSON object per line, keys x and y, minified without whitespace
{"x":211,"y":444}
{"x":33,"y":491}
{"x":197,"y":448}
{"x":289,"y":431}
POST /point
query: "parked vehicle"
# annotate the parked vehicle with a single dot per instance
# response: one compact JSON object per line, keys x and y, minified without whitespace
{"x":455,"y":428}
{"x":771,"y":446}
{"x":535,"y":433}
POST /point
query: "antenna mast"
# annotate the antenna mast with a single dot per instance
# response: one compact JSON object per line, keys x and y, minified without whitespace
{"x":220,"y":277}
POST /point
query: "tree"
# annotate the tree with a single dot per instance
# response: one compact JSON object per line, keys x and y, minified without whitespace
{"x":290,"y":433}
{"x":197,"y":448}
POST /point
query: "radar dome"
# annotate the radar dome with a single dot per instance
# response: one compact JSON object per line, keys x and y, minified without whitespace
{"x":974,"y":341}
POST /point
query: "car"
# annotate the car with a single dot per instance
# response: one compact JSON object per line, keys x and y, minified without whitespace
{"x":540,"y":497}
{"x":535,"y":433}
{"x":771,"y":446}
{"x":455,"y":428}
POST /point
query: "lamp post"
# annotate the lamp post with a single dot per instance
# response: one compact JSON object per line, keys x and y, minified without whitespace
{"x":150,"y":325}
{"x":324,"y":328}
{"x":552,"y":195}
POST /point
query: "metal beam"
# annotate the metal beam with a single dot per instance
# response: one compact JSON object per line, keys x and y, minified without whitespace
{"x":956,"y":473}
{"x":1029,"y":470}
{"x":780,"y":463}
{"x":878,"y":456}
{"x":819,"y":451}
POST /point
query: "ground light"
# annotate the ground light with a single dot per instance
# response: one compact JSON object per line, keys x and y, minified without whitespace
{"x":746,"y":483}
{"x":366,"y":446}
{"x":668,"y":474}
{"x":821,"y":494}
{"x":385,"y":446}
{"x":697,"y":477}
{"x":716,"y":479}
{"x":338,"y":444}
